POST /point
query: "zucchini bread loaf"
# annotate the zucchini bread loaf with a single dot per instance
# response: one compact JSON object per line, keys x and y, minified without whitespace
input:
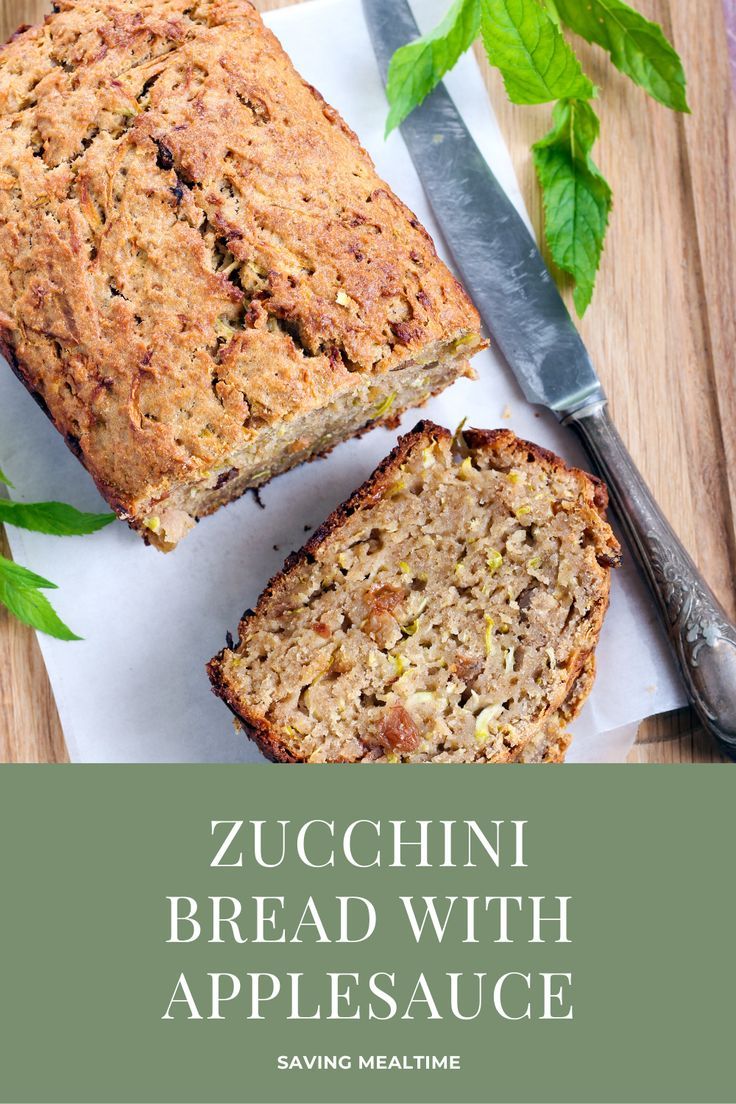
{"x":447,"y":612}
{"x":202,"y":279}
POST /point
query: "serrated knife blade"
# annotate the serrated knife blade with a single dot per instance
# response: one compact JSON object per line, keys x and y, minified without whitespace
{"x":494,"y":252}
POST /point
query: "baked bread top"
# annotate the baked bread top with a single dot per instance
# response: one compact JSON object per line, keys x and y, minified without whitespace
{"x":192,"y":242}
{"x":447,"y":612}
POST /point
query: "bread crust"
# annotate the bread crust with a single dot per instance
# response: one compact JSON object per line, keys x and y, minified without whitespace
{"x":581,"y":666}
{"x":193,"y":244}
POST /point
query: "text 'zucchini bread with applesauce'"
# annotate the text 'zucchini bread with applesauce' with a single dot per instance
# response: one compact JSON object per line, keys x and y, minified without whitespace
{"x":202,"y":278}
{"x":447,"y":612}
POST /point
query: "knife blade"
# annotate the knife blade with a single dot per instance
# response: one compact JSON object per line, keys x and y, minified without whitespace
{"x":518,"y":301}
{"x":494,"y":252}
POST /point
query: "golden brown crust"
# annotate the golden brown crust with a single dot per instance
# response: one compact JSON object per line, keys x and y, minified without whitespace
{"x":581,"y":665}
{"x":193,"y":244}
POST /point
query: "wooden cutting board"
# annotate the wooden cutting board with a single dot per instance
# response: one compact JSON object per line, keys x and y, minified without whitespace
{"x":662,"y":328}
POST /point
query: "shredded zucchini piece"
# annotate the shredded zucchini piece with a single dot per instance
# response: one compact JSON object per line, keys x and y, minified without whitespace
{"x":385,"y":406}
{"x":494,"y":560}
{"x":484,"y":719}
{"x":490,"y":623}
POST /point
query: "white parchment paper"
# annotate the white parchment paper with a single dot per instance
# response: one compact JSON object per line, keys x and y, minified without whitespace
{"x":135,"y":689}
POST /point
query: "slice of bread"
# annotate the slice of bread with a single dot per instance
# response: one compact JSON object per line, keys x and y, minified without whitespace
{"x":447,"y":612}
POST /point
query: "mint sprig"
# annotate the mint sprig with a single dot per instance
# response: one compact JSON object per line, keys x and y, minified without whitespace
{"x":577,"y":199}
{"x":416,"y":69}
{"x":524,"y":40}
{"x":20,"y":592}
{"x":525,"y":44}
{"x":637,"y":47}
{"x":20,"y":589}
{"x":55,"y":518}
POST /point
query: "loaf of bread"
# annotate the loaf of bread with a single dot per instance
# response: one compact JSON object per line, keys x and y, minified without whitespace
{"x":202,"y":279}
{"x":447,"y":612}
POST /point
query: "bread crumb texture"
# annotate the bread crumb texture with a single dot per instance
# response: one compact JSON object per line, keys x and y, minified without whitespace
{"x":447,"y":612}
{"x":202,"y":278}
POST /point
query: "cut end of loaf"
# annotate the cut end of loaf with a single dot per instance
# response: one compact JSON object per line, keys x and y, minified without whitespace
{"x":447,"y":613}
{"x":275,"y":447}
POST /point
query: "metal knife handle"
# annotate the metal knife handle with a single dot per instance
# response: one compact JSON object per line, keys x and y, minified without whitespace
{"x":702,"y":637}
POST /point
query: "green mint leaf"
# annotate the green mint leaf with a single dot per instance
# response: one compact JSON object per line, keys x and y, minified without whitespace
{"x":637,"y":47}
{"x":20,"y":596}
{"x":417,"y":68}
{"x":577,"y":199}
{"x":4,"y":479}
{"x":524,"y":42}
{"x":55,"y":518}
{"x":22,"y":577}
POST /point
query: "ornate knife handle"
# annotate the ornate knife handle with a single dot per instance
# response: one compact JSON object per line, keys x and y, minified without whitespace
{"x":702,"y":637}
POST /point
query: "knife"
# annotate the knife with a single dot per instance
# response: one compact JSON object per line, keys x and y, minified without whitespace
{"x":519,"y":302}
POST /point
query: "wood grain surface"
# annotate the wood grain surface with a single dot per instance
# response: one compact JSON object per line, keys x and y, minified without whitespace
{"x":662,"y":329}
